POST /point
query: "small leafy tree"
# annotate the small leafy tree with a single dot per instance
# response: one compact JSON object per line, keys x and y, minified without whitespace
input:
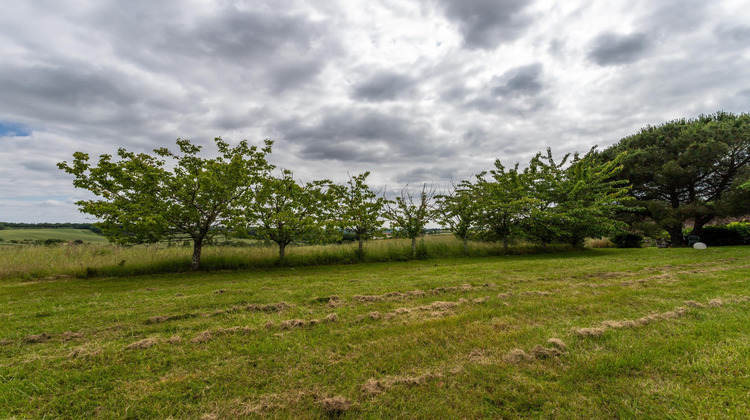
{"x":142,"y":200}
{"x":459,"y":210}
{"x":360,"y":209}
{"x":287,"y":211}
{"x":574,"y":201}
{"x":410,"y":215}
{"x":503,"y":200}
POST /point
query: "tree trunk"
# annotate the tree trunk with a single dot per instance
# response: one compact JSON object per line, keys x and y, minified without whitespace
{"x":361,"y":246}
{"x":196,"y":262}
{"x":282,"y":251}
{"x":698,"y":224}
{"x":675,"y":235}
{"x":466,"y":246}
{"x":505,"y":242}
{"x":414,"y":247}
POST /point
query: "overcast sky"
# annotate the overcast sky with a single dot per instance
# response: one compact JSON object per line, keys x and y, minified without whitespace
{"x":413,"y":91}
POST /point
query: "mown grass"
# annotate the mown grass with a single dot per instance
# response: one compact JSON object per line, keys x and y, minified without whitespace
{"x":100,"y":261}
{"x":439,"y":338}
{"x":64,"y":234}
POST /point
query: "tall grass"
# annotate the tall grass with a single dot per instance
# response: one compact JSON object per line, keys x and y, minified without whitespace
{"x":110,"y":260}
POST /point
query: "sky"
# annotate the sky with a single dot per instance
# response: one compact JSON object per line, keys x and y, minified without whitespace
{"x":414,"y":91}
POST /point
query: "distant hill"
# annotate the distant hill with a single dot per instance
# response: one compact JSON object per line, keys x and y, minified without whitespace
{"x":41,"y":234}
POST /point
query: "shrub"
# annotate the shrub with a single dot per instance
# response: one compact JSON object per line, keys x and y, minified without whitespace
{"x":598,"y":243}
{"x":728,"y":235}
{"x":627,"y":240}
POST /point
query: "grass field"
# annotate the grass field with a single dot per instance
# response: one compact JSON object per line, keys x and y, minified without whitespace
{"x":84,"y":235}
{"x":646,"y":333}
{"x":109,"y":260}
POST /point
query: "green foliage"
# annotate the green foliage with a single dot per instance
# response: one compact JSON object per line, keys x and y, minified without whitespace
{"x":688,"y":170}
{"x":737,"y":233}
{"x":409,"y":215}
{"x":627,"y":240}
{"x":143,"y":199}
{"x":359,"y":209}
{"x":550,"y":201}
{"x":288,"y":211}
{"x":459,"y":211}
{"x":504,"y":200}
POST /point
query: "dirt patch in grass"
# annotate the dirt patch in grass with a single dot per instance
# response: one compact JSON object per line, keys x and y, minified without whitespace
{"x":335,"y":406}
{"x":70,"y":335}
{"x":38,"y":338}
{"x":202,"y":337}
{"x":142,"y":344}
{"x":541,"y":352}
{"x":253,"y":307}
{"x":300,"y":323}
{"x":377,"y":386}
{"x":166,"y":318}
{"x":556,"y":342}
{"x":373,"y":386}
{"x":589,"y":332}
{"x":517,"y":356}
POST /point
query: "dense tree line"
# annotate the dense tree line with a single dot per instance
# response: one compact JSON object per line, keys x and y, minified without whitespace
{"x":696,"y":164}
{"x":83,"y":226}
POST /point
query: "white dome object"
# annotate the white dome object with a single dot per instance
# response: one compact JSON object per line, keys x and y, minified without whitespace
{"x":699,"y":245}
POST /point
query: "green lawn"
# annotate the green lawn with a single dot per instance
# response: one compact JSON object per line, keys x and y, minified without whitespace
{"x":84,"y":235}
{"x":647,"y":333}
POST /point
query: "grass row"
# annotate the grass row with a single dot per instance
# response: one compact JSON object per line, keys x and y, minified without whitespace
{"x":110,"y":260}
{"x":438,"y":338}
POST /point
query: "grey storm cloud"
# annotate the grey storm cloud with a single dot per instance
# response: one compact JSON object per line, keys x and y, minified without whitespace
{"x":256,"y":48}
{"x":518,"y":90}
{"x":525,"y":80}
{"x":384,"y":86}
{"x":487,"y":23}
{"x":613,"y":49}
{"x":361,"y":135}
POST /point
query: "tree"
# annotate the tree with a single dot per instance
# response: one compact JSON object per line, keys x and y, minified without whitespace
{"x":286,"y":210}
{"x":588,"y":197}
{"x":459,"y":211}
{"x":573,"y":199}
{"x":144,"y":201}
{"x":411,"y":216}
{"x":359,"y":209}
{"x":688,"y":169}
{"x":503,"y":201}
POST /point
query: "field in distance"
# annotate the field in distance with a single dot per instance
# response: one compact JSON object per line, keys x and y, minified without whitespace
{"x":64,"y":234}
{"x":606,"y":333}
